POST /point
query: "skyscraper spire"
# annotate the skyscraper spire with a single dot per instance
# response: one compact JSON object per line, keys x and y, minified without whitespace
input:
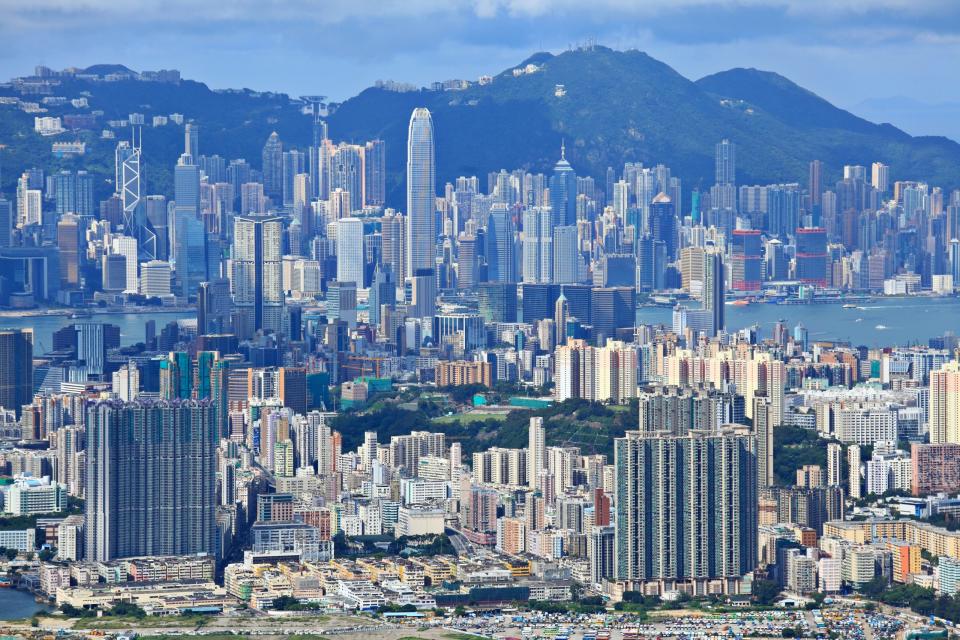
{"x":563,"y":149}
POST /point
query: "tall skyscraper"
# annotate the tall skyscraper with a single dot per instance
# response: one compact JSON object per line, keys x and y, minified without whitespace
{"x":151,"y":479}
{"x":714,"y":289}
{"x":421,"y":192}
{"x":880,"y":177}
{"x":563,"y":191}
{"x":257,"y":273}
{"x":663,"y":223}
{"x":538,"y":245}
{"x":536,"y":452}
{"x":350,"y":255}
{"x":686,"y":509}
{"x":16,"y":368}
{"x":375,"y":173}
{"x":945,"y":404}
{"x":273,"y":168}
{"x":566,"y":257}
{"x":726,"y":162}
{"x":191,"y":140}
{"x":501,"y":260}
{"x":763,"y":430}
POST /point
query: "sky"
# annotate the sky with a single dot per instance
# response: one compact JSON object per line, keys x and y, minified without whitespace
{"x":876,"y":57}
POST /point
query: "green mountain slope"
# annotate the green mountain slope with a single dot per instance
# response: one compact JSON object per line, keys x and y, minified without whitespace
{"x":617,"y":107}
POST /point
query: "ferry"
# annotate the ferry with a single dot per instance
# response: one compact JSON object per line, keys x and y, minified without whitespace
{"x":849,"y":306}
{"x":739,"y":303}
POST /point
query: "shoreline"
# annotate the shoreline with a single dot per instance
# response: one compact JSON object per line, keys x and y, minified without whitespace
{"x":85,"y":312}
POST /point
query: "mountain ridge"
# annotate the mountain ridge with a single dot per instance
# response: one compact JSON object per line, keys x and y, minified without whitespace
{"x":614,"y":107}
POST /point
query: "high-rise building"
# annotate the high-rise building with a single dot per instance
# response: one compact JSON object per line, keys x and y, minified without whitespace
{"x":16,"y":368}
{"x":663,"y":223}
{"x":350,"y":255}
{"x":68,"y":242}
{"x":501,"y":260}
{"x":746,"y":256}
{"x":563,"y":192}
{"x":812,"y":256}
{"x":273,"y":167}
{"x":191,"y":140}
{"x":421,"y":192}
{"x":880,"y":177}
{"x":763,"y":431}
{"x":945,"y":404}
{"x":375,"y":173}
{"x":257,"y":273}
{"x":726,"y":162}
{"x":538,"y":245}
{"x":536,"y":452}
{"x":714,"y":290}
{"x":151,"y":479}
{"x":565,"y":255}
{"x":686,"y":510}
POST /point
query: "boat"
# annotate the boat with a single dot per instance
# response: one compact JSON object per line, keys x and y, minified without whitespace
{"x":880,"y":327}
{"x":6,"y":583}
{"x":849,"y":306}
{"x":740,"y":303}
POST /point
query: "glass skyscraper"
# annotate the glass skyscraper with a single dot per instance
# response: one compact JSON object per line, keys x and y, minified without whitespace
{"x":421,"y":192}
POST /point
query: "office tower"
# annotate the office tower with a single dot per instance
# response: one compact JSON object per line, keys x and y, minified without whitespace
{"x":151,"y":475}
{"x":342,"y":302}
{"x":189,"y":251}
{"x":663,"y":223}
{"x":421,"y":192}
{"x":7,"y":222}
{"x":815,"y":183}
{"x":536,"y":453}
{"x":686,"y":509}
{"x":763,"y":431}
{"x":294,"y":163}
{"x":214,"y":307}
{"x":375,"y":173}
{"x":945,"y":404}
{"x":880,"y":177}
{"x":16,"y":369}
{"x":497,"y":301}
{"x":855,"y":484}
{"x":563,"y":191}
{"x":186,"y":185}
{"x":746,"y":257}
{"x":714,"y":289}
{"x":157,"y":217}
{"x":611,"y":308}
{"x":191,"y":140}
{"x":383,"y":291}
{"x":127,"y":247}
{"x":74,"y":193}
{"x":155,"y":279}
{"x":468,"y":261}
{"x":350,"y":255}
{"x":812,"y":257}
{"x":347,"y":174}
{"x":69,"y":243}
{"x":257,"y":273}
{"x":273,"y":168}
{"x":422,"y":297}
{"x":501,"y":261}
{"x":538,"y":245}
{"x":566,"y":258}
{"x":726,"y":162}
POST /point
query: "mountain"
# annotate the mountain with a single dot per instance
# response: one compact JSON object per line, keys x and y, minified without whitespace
{"x":609,"y":107}
{"x":627,"y":106}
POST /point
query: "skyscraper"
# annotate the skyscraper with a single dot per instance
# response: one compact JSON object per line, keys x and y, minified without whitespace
{"x":714,"y":289}
{"x":726,"y":162}
{"x":500,"y":245}
{"x":257,"y":273}
{"x":350,"y":256}
{"x":686,"y":509}
{"x":421,"y":192}
{"x":663,"y":223}
{"x":151,"y":479}
{"x":563,"y":191}
{"x":538,"y":245}
{"x":273,"y":167}
{"x":191,"y":140}
{"x":16,"y":368}
{"x":375,"y":173}
{"x":945,"y":404}
{"x":536,"y":452}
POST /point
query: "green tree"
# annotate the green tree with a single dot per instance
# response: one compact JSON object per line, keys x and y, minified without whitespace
{"x":766,"y":592}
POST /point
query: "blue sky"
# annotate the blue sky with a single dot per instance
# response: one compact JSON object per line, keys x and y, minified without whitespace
{"x":856,"y":53}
